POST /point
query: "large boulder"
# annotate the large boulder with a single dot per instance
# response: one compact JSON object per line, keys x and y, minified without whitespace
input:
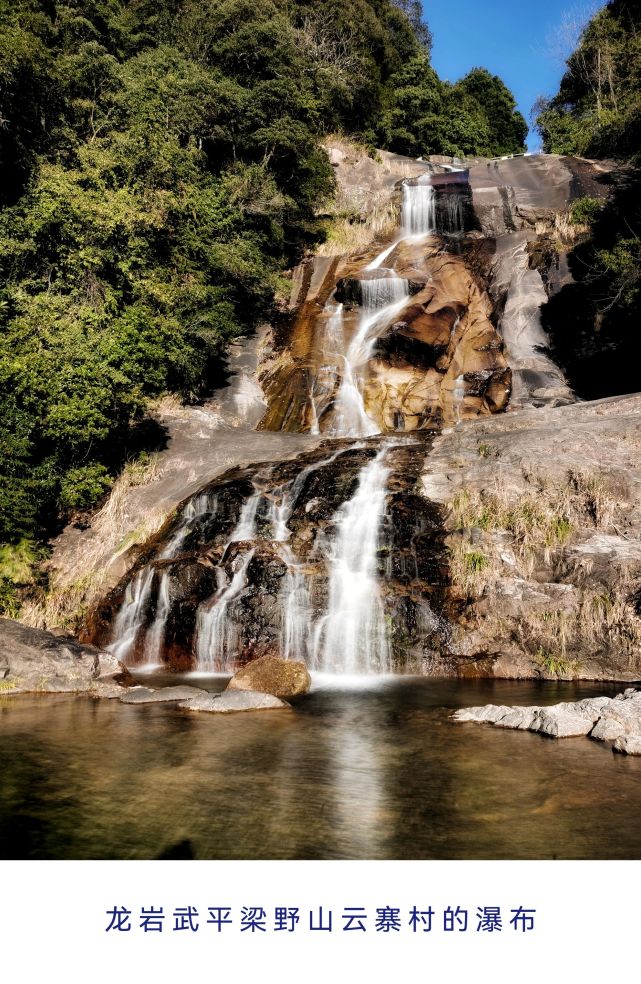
{"x":231,"y":702}
{"x":34,"y":661}
{"x":284,"y":678}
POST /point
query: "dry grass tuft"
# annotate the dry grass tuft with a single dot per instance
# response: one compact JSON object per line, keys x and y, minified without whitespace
{"x":540,"y":521}
{"x":65,"y":602}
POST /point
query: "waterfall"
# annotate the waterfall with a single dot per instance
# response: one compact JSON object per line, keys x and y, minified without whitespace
{"x":335,"y":337}
{"x":450,"y":210}
{"x":295,"y":601}
{"x":131,"y":615}
{"x":418,"y":210}
{"x":246,"y":526}
{"x":156,"y":635}
{"x":380,"y":259}
{"x":383,"y":298}
{"x":217,"y":632}
{"x":201,"y":505}
{"x":352,"y":637}
{"x":296,"y":608}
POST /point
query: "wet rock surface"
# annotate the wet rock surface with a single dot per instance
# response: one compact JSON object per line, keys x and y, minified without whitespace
{"x":616,"y":719}
{"x":249,"y":561}
{"x":270,"y":675}
{"x":233,"y":702}
{"x":163,"y":695}
{"x":34,"y":661}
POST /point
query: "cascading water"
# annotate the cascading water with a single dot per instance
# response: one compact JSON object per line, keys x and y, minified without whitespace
{"x":418,"y":216}
{"x":305,"y":581}
{"x":131,"y":616}
{"x":335,"y":620}
{"x":198,"y":507}
{"x":352,"y":637}
{"x":156,"y":635}
{"x":382,"y":299}
{"x":217,"y":630}
{"x":246,"y":526}
{"x":378,"y":261}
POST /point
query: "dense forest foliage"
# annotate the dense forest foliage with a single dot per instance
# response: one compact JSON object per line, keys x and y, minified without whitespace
{"x":160,"y":164}
{"x":597,"y":113}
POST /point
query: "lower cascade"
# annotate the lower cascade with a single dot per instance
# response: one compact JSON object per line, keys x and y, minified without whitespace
{"x":315,"y":560}
{"x":353,"y":635}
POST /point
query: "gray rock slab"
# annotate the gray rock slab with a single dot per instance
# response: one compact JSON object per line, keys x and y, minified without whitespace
{"x":630,"y":745}
{"x":35,"y":661}
{"x":148,"y":695}
{"x":615,"y":719}
{"x":562,"y":724}
{"x":518,"y":718}
{"x":234,"y":701}
{"x":490,"y":713}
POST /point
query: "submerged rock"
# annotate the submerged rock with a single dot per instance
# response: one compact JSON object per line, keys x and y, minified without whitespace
{"x":615,"y":719}
{"x":148,"y":695}
{"x":34,"y":661}
{"x":281,"y":677}
{"x":233,"y":701}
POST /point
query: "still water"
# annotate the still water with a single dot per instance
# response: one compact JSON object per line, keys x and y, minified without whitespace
{"x":376,"y":771}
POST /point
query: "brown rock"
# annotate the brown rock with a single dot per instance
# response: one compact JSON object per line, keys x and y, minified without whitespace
{"x":269,"y":675}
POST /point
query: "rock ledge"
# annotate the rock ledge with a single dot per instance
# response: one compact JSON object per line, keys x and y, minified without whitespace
{"x":616,"y":719}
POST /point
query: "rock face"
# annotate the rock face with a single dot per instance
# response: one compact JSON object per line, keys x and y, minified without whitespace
{"x":242,"y":571}
{"x":232,"y":702}
{"x":270,"y":675}
{"x":35,"y":661}
{"x":544,"y":537}
{"x":615,"y":719}
{"x":439,"y":358}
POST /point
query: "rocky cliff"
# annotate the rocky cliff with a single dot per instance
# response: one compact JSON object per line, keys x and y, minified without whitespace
{"x":450,"y":493}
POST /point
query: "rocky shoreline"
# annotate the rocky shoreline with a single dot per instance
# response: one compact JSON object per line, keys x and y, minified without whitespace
{"x":35,"y":661}
{"x":609,"y":719}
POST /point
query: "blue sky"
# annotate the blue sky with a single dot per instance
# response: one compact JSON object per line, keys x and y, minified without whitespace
{"x":507,"y":38}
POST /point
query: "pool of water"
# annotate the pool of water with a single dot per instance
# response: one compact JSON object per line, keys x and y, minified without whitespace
{"x":374,"y":770}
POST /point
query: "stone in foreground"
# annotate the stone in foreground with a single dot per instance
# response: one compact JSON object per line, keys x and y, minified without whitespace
{"x":284,"y":678}
{"x":233,"y":702}
{"x":148,"y":695}
{"x":630,"y":745}
{"x":34,"y":661}
{"x":615,"y":719}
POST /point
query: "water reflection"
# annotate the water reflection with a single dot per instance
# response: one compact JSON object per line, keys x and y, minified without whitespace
{"x":352,"y":772}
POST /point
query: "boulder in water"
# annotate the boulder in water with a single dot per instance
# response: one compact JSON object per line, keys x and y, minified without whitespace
{"x":284,"y":678}
{"x":148,"y":695}
{"x":630,"y":745}
{"x":615,"y":719}
{"x":34,"y":661}
{"x":231,"y":702}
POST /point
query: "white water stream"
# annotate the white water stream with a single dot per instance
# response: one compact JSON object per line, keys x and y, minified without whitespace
{"x":131,"y":615}
{"x":352,"y":637}
{"x":382,"y":300}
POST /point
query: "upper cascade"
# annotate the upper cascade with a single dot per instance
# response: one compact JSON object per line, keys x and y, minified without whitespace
{"x":400,"y":340}
{"x":418,"y":214}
